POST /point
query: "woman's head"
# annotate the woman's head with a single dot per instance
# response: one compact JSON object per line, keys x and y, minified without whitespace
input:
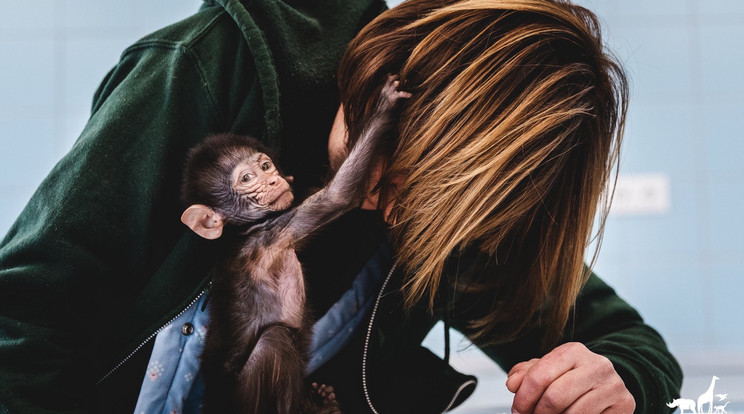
{"x":506,"y":145}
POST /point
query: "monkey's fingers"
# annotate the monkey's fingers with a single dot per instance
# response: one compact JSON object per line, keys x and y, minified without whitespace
{"x":404,"y":94}
{"x":324,"y":390}
{"x":391,"y":85}
{"x":257,"y":189}
{"x":253,"y":187}
{"x":390,"y":95}
{"x":398,"y":94}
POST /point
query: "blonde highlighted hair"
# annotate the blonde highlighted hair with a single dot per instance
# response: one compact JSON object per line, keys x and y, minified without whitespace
{"x":506,"y":146}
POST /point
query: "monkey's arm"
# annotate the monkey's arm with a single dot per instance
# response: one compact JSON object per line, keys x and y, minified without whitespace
{"x":347,"y":188}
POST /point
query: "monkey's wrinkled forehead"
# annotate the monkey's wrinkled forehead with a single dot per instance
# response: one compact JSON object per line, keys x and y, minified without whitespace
{"x":241,"y":153}
{"x":232,"y":144}
{"x":216,"y":156}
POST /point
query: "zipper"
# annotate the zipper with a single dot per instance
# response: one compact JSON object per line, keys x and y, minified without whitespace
{"x":153,"y":335}
{"x":457,"y":394}
{"x":366,"y":349}
{"x":366,"y":341}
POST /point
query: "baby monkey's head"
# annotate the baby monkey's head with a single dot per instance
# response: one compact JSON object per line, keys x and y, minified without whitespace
{"x":230,"y":179}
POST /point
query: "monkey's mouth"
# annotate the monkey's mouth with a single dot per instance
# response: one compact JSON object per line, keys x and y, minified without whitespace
{"x":281,"y":201}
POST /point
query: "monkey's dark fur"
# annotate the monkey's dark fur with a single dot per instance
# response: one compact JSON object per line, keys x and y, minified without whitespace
{"x":255,"y":352}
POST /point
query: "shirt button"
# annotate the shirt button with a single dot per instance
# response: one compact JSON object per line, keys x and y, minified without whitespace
{"x":187,"y":329}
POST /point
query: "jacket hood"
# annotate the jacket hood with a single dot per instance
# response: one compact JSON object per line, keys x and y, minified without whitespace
{"x":296,"y":47}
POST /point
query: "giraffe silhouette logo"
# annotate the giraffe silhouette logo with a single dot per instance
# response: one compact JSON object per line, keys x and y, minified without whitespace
{"x":705,"y":404}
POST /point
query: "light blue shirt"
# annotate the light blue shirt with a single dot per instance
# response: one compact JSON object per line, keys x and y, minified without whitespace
{"x":172,"y":384}
{"x":173,"y":369}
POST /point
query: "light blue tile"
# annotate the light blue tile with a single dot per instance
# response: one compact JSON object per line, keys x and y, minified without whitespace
{"x":657,"y":60}
{"x":650,"y":8}
{"x":727,"y":284}
{"x":152,"y":15}
{"x":725,"y":195}
{"x":618,"y":276}
{"x":27,"y":75}
{"x":612,"y":249}
{"x":27,"y":14}
{"x":12,"y":203}
{"x":724,"y":137}
{"x":87,"y":61}
{"x":670,"y":298}
{"x":27,"y":148}
{"x":615,"y":241}
{"x":720,"y":7}
{"x":602,"y":8}
{"x":102,"y":15}
{"x":637,"y":7}
{"x":69,"y":129}
{"x":661,"y":137}
{"x":674,"y":233}
{"x":722,"y":60}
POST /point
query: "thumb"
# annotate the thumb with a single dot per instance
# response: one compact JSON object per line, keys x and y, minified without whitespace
{"x":514,"y":380}
{"x":516,"y":374}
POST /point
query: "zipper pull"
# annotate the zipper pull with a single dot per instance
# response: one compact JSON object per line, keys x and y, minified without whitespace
{"x":206,"y":296}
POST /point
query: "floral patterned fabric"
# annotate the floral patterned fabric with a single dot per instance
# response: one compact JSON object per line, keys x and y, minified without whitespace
{"x":172,"y":384}
{"x":172,"y":376}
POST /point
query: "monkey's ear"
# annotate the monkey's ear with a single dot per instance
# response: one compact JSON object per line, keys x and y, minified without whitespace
{"x":203,"y":221}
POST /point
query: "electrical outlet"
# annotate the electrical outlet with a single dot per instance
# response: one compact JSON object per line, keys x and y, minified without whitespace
{"x":641,"y":194}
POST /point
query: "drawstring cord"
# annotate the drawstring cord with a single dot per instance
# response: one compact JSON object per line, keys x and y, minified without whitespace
{"x":446,"y":318}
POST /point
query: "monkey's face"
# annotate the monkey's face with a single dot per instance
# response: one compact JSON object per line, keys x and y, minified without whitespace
{"x":256,"y":179}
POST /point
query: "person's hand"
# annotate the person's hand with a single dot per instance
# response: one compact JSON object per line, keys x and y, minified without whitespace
{"x":568,"y":379}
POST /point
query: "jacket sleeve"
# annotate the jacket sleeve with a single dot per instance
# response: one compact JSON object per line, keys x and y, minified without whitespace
{"x":608,"y":326}
{"x":95,"y":229}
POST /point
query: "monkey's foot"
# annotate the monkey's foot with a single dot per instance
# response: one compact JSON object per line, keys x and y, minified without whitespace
{"x":325,"y":399}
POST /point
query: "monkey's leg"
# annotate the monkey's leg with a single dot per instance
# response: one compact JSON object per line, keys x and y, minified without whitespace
{"x":271,"y":381}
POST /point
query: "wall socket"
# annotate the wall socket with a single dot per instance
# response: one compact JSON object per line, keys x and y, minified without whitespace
{"x":641,"y":194}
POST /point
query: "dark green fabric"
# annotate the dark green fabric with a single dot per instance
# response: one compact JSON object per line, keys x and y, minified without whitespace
{"x":602,"y":321}
{"x":99,"y":259}
{"x":607,"y":325}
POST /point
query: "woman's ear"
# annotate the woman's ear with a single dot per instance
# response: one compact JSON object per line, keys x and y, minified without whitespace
{"x":203,"y":221}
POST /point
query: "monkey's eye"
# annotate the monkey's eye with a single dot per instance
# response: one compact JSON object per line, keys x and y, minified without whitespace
{"x":245,"y":178}
{"x":265,"y":166}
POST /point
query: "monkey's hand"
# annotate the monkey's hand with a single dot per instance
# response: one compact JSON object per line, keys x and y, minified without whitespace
{"x":382,"y":118}
{"x":347,"y":188}
{"x":389,"y":96}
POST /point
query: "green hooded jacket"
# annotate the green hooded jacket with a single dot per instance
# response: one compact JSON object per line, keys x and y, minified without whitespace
{"x":98,"y":259}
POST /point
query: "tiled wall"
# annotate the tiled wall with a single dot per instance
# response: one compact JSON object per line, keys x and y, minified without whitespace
{"x":53,"y":54}
{"x":683,"y":269}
